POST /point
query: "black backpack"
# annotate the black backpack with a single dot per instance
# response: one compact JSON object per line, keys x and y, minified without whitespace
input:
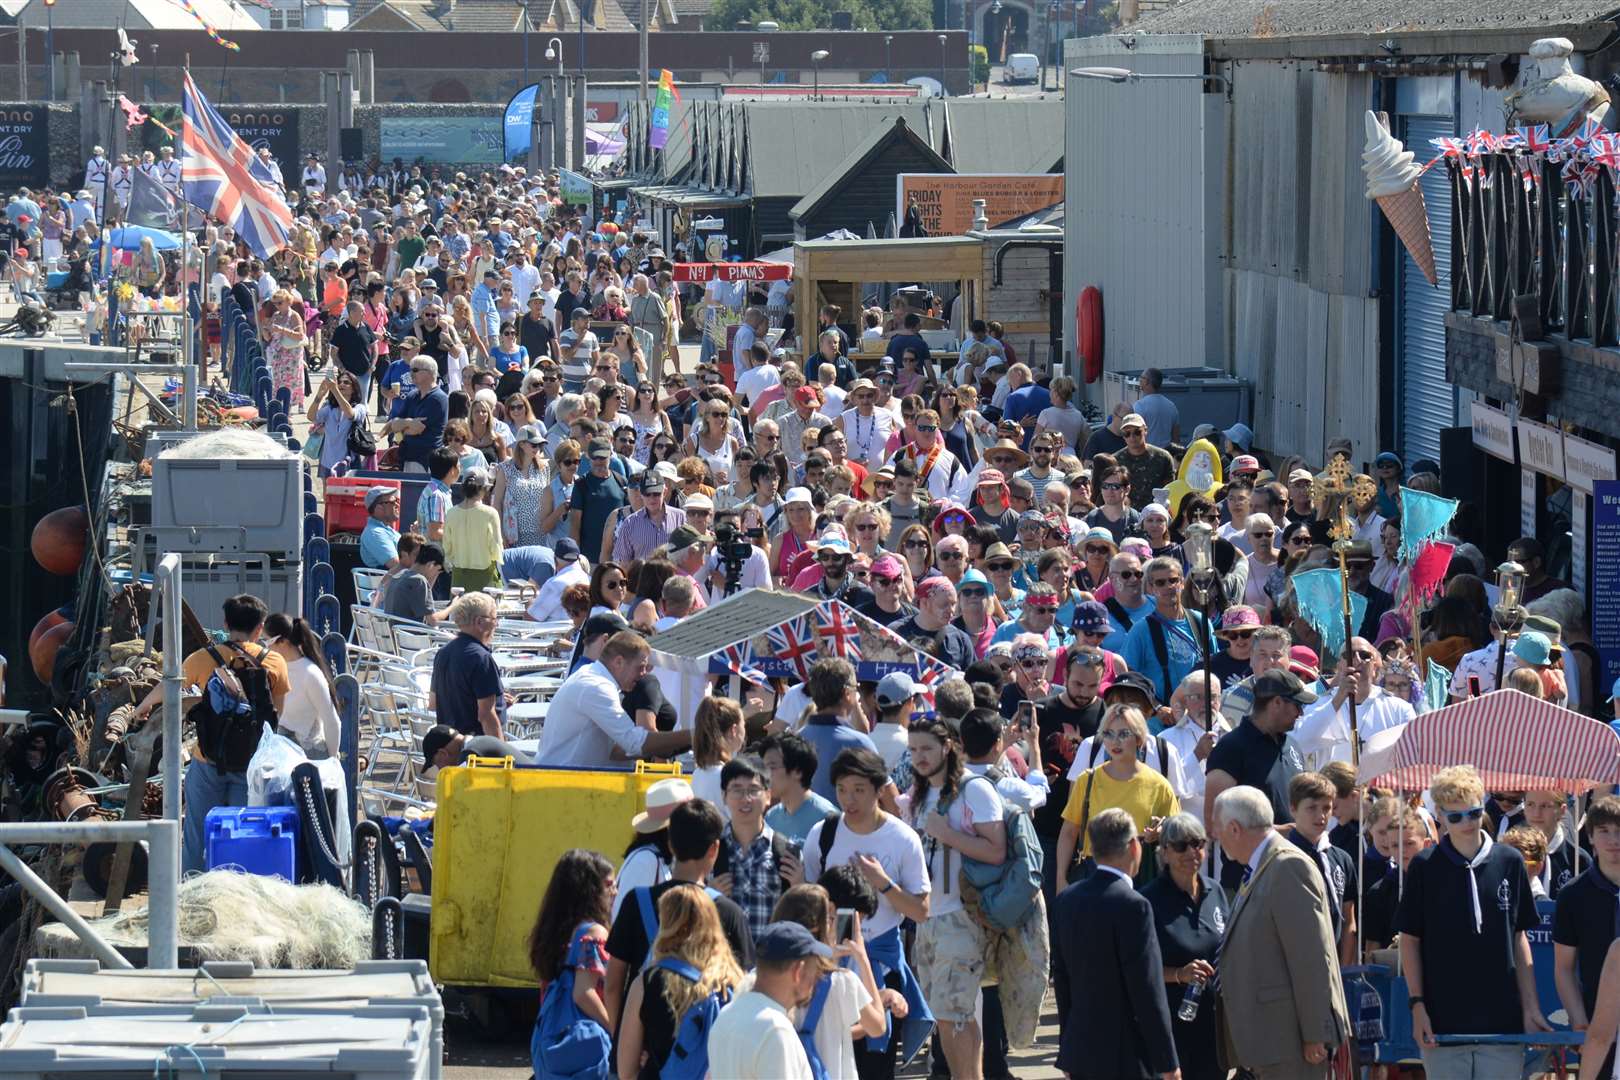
{"x":235,"y":706}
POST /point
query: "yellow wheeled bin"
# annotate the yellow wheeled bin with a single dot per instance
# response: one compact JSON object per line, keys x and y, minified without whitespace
{"x":498,"y":832}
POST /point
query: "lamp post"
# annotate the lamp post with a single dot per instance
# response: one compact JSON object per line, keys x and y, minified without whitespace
{"x":50,"y":48}
{"x":1508,"y":614}
{"x":816,"y":58}
{"x":1126,"y":75}
{"x":942,"y":65}
{"x":1047,"y":56}
{"x":554,"y":52}
{"x":524,"y":4}
{"x":888,"y":58}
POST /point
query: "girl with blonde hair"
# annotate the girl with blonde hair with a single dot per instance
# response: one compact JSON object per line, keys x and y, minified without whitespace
{"x":689,"y":932}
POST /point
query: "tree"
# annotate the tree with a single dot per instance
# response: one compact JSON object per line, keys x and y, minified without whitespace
{"x":817,"y":14}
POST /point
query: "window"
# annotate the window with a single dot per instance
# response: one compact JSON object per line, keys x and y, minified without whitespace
{"x":287,"y":18}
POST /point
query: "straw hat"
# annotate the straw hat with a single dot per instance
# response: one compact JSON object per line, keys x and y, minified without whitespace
{"x":662,"y":799}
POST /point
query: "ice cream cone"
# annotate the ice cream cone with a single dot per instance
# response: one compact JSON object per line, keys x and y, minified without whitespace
{"x":1408,"y":213}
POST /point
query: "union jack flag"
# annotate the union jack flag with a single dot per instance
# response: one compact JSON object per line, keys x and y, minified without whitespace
{"x":1449,"y":147}
{"x":1480,"y":141}
{"x":1513,"y":140}
{"x":1534,"y":138}
{"x":794,"y":643}
{"x":1589,"y":131}
{"x":223,"y":178}
{"x":931,"y":672}
{"x":738,"y":662}
{"x":837,"y":631}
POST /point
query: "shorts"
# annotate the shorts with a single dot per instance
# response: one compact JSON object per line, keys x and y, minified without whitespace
{"x":949,"y":958}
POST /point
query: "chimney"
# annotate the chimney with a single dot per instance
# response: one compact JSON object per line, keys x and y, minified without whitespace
{"x":980,"y":220}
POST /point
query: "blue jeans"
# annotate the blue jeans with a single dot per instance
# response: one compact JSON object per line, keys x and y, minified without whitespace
{"x":204,"y":788}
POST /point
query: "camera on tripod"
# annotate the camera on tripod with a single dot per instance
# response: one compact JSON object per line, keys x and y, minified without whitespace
{"x":733,"y":554}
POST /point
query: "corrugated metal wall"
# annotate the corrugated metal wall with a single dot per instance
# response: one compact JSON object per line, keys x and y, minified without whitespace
{"x":1135,"y":202}
{"x":1304,"y":323}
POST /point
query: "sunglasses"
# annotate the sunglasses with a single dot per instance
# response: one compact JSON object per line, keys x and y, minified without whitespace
{"x":866,"y":526}
{"x":1237,"y":635}
{"x":927,"y":427}
{"x":950,"y":556}
{"x":1456,"y":817}
{"x":972,"y":593}
{"x":1116,"y":736}
{"x":1302,"y":540}
{"x":1127,"y":575}
{"x":1002,"y":567}
{"x":1167,"y":583}
{"x":1099,"y":549}
{"x":916,"y":545}
{"x":1113,"y":487}
{"x":614,"y":585}
{"x":1184,"y":846}
{"x":1034,"y":664}
{"x":880,"y":579}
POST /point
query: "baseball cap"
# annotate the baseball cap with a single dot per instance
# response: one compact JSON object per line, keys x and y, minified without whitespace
{"x":1031,"y":518}
{"x":437,"y":738}
{"x":1283,"y":684}
{"x":566,"y":549}
{"x":379,"y":491}
{"x":698,"y":501}
{"x":1245,"y":463}
{"x":1092,"y":617}
{"x":797,"y":495}
{"x":807,"y":395}
{"x":599,"y":448}
{"x":1130,"y":420}
{"x":1300,"y":474}
{"x":1132,"y":681}
{"x":784,"y":941}
{"x":651,"y":482}
{"x":531,"y":434}
{"x":666,"y":471}
{"x":897,"y":687}
{"x":1303,"y":661}
{"x":685,"y":537}
{"x":603,"y":622}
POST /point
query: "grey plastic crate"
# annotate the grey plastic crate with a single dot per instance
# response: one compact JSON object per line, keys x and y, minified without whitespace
{"x":227,"y":1037}
{"x":1203,"y":395}
{"x":265,"y":497}
{"x":84,"y":984}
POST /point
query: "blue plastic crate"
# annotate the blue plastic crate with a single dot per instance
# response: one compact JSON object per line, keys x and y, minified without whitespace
{"x":253,"y":839}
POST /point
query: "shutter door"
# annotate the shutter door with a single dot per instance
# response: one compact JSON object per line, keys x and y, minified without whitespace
{"x":1427,"y":401}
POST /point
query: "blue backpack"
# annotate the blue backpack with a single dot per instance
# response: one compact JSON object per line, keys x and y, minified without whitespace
{"x":689,"y":1057}
{"x":567,"y":1044}
{"x":649,"y":915}
{"x":807,"y":1029}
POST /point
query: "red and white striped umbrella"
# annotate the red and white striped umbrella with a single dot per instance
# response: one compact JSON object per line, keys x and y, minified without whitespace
{"x":1517,"y":742}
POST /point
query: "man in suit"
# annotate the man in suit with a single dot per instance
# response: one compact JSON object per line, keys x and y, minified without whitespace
{"x":1281,"y":1000}
{"x":1108,"y":973}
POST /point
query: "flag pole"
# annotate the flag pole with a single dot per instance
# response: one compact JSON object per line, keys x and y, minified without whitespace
{"x":188,"y":342}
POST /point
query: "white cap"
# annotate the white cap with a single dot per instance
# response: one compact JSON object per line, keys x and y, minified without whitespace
{"x":797,"y":495}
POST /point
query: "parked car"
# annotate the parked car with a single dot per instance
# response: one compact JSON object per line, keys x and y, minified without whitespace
{"x":1022,"y":67}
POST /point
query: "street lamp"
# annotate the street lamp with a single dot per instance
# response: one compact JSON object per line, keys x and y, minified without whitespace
{"x":50,"y":49}
{"x":888,"y":58}
{"x":942,"y":65}
{"x":554,"y":52}
{"x":1198,"y":547}
{"x":816,"y":58}
{"x":524,"y":5}
{"x":1509,"y":612}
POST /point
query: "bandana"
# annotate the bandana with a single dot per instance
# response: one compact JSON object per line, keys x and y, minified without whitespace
{"x":928,"y":586}
{"x":1030,"y":651}
{"x":1042,"y":601}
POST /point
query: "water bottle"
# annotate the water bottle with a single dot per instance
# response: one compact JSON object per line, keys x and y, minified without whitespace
{"x":1189,"y":1002}
{"x":1369,"y":1020}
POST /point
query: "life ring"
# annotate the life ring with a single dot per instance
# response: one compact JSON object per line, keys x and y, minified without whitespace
{"x":1088,"y":332}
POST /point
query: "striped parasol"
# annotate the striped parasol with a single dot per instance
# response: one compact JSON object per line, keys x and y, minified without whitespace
{"x":1517,"y":742}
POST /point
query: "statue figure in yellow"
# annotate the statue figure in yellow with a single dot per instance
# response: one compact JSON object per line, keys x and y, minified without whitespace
{"x":1200,"y":473}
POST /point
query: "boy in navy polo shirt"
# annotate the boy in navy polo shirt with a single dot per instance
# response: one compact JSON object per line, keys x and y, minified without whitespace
{"x":1310,"y":798}
{"x":1588,"y":916}
{"x":1463,"y":921}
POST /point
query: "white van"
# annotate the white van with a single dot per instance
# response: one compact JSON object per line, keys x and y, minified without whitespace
{"x":1022,"y":67}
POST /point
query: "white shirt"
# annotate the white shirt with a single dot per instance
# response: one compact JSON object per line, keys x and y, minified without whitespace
{"x":549,"y":309}
{"x":266,"y":287}
{"x":1188,"y":781}
{"x":791,"y":705}
{"x":756,"y":380}
{"x":756,"y":574}
{"x":586,"y":721}
{"x":834,"y":405}
{"x":1027,"y":793}
{"x":890,"y":740}
{"x":867,"y":436}
{"x":1260,"y":852}
{"x":525,"y":279}
{"x":169,"y":173}
{"x":835,"y":1045}
{"x":641,"y":868}
{"x":1323,"y":732}
{"x":1481,"y":662}
{"x":973,"y":804}
{"x":547,"y":606}
{"x":894,"y":844}
{"x":753,"y":1038}
{"x":308,"y":714}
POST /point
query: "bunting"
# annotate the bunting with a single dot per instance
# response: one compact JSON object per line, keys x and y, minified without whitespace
{"x":1423,"y":517}
{"x":1320,"y":594}
{"x":793,"y":643}
{"x":191,"y":9}
{"x":666,"y":96}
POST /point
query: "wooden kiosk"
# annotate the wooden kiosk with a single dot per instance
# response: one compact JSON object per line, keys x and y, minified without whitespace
{"x":834,"y":271}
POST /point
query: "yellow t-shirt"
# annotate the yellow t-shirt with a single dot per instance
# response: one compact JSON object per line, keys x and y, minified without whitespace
{"x":1146,"y":795}
{"x":472,"y":537}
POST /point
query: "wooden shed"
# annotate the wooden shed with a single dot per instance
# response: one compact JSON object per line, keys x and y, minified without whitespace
{"x":858,"y":195}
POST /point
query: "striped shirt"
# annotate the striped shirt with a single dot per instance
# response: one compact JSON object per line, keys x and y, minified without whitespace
{"x":638,"y":535}
{"x":432,"y":504}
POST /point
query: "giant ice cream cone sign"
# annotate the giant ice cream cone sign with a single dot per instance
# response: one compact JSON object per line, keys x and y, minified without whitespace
{"x":1392,"y":182}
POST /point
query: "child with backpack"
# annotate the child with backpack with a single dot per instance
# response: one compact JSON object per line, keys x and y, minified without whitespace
{"x":673,"y":1003}
{"x":566,"y":950}
{"x":846,"y":999}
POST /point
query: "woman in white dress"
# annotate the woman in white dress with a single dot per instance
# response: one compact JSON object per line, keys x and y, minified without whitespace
{"x":309,"y":715}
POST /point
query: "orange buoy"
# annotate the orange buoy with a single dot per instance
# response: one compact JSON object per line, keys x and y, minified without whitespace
{"x":60,"y":538}
{"x":42,"y":653}
{"x":52,"y":618}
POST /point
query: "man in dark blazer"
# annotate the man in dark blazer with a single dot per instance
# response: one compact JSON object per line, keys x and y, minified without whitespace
{"x":1109,"y":974}
{"x":1281,"y":995}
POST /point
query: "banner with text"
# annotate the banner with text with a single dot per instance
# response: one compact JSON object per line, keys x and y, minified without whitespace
{"x":24,"y":148}
{"x":275,"y":128}
{"x":945,"y":200}
{"x":444,"y":140}
{"x":1605,"y":555}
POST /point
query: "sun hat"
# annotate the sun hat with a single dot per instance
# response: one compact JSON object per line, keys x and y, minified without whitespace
{"x":661,"y":800}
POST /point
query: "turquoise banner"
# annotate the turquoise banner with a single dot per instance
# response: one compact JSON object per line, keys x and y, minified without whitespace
{"x":449,"y":140}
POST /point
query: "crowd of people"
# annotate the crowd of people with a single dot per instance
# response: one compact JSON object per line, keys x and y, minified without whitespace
{"x":1163,"y":736}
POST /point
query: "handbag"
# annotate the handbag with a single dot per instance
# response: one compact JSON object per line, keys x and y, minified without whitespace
{"x":313,"y":444}
{"x":362,"y":443}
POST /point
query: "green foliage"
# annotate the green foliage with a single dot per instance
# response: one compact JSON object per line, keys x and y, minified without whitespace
{"x":817,"y":14}
{"x":980,"y":57}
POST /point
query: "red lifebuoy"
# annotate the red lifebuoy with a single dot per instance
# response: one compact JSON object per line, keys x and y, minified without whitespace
{"x":1088,"y":327}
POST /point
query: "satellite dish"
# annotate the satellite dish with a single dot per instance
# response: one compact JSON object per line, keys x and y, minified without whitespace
{"x":930,"y":87}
